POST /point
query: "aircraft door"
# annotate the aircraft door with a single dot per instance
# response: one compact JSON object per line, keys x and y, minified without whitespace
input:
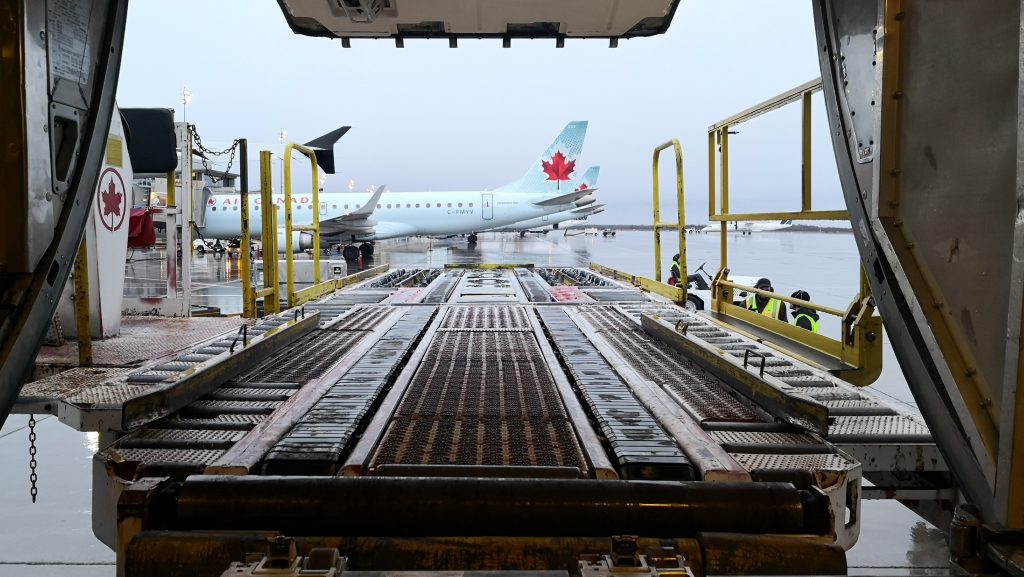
{"x":323,"y":209}
{"x":487,"y":206}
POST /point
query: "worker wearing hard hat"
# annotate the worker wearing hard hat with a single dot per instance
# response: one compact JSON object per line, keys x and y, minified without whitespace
{"x":767,"y":306}
{"x":803,"y":317}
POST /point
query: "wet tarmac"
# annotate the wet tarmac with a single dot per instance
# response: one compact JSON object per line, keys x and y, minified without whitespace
{"x":54,"y":535}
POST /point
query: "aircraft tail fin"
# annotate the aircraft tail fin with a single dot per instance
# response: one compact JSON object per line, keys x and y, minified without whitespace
{"x":588,"y":180}
{"x":324,"y":148}
{"x":786,"y":222}
{"x":556,"y":165}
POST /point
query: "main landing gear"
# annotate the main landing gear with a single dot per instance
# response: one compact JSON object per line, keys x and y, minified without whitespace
{"x":353,"y":252}
{"x":471,"y":239}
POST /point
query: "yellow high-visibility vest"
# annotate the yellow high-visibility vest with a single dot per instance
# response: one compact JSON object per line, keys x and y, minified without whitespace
{"x":770,"y":310}
{"x":814,"y":322}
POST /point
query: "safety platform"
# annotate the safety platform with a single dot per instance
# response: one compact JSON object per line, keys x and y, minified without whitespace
{"x":434,"y":404}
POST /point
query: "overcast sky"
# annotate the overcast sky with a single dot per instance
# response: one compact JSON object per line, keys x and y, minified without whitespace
{"x":427,"y":117}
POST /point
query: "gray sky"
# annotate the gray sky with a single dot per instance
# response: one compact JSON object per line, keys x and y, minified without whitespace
{"x":427,"y":117}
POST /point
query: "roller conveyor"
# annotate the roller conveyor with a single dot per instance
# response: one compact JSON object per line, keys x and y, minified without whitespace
{"x":480,"y":376}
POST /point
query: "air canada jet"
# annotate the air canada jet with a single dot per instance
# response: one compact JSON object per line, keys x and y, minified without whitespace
{"x":351,"y":218}
{"x":749,"y":227}
{"x":584,"y":208}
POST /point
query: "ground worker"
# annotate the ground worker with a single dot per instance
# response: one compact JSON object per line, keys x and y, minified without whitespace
{"x":804,"y":317}
{"x":675,"y":271}
{"x":767,"y":306}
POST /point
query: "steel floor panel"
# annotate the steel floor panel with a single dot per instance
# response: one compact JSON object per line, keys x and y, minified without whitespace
{"x":481,"y":398}
{"x":143,"y":339}
{"x":43,"y":395}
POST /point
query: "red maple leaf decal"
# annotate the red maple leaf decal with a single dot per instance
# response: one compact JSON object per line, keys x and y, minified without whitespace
{"x":558,"y":169}
{"x":111,"y":200}
{"x":581,"y":187}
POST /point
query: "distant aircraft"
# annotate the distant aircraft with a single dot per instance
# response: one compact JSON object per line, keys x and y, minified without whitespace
{"x":360,"y":217}
{"x":749,"y":227}
{"x":583,"y":209}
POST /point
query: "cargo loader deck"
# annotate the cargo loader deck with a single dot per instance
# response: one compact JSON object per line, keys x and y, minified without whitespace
{"x":496,"y":418}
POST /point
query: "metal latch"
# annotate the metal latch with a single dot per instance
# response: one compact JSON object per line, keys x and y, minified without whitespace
{"x":626,"y":559}
{"x":281,"y":560}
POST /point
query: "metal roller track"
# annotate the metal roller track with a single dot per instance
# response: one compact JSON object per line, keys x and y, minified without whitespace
{"x":483,"y":397}
{"x":699,"y":393}
{"x":317,"y":443}
{"x":532,"y":286}
{"x":641,"y":447}
{"x":442,"y":287}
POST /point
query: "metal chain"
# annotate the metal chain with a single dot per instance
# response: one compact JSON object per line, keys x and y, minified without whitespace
{"x":207,"y":152}
{"x":33,"y":477}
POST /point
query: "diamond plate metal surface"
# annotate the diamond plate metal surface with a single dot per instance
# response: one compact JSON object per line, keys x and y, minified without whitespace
{"x":107,"y":394}
{"x":36,"y":395}
{"x":175,"y":456}
{"x":143,"y":339}
{"x":762,"y":438}
{"x":878,"y":428}
{"x":816,"y":462}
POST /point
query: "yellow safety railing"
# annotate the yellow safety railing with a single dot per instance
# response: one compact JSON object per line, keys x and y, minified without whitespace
{"x":858,"y":350}
{"x":271,"y":291}
{"x":318,"y":289}
{"x":674,"y":293}
{"x":679,"y":224}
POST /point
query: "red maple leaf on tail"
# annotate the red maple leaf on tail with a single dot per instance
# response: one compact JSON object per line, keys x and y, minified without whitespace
{"x":558,"y":169}
{"x":111,"y":201}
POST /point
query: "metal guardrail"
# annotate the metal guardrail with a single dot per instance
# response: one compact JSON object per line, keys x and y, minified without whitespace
{"x":679,"y":225}
{"x":297,"y":297}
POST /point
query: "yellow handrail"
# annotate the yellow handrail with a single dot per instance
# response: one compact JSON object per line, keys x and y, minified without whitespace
{"x":679,"y":224}
{"x":293,"y":297}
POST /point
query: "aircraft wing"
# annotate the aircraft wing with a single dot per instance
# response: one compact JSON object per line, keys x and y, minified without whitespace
{"x":565,"y":198}
{"x":356,"y":221}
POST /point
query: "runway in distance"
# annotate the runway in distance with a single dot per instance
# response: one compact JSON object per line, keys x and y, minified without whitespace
{"x":349,"y":218}
{"x":748,"y":227}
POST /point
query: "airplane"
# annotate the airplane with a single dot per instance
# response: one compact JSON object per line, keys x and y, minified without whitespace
{"x":584,"y":207}
{"x":749,"y":227}
{"x":364,"y":217}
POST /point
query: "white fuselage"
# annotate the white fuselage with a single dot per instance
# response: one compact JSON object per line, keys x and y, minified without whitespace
{"x":746,"y":227}
{"x":397,"y":213}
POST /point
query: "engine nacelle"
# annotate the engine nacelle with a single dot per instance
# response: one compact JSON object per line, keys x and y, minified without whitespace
{"x":589,"y":199}
{"x":301,"y":241}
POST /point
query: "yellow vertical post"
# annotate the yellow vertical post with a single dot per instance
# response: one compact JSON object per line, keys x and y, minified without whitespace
{"x":289,"y":258}
{"x":82,"y":306}
{"x":245,"y":265}
{"x":805,"y":180}
{"x":712,"y":169}
{"x":657,"y":220}
{"x":680,"y":217}
{"x":268,"y":234}
{"x":275,"y":280}
{"x":725,"y":196}
{"x":316,"y":219}
{"x":172,"y":196}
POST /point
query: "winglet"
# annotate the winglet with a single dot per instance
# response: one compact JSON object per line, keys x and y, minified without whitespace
{"x":367,"y":209}
{"x":324,"y":146}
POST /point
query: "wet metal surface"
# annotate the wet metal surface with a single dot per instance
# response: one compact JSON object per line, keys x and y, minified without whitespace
{"x":482,"y":396}
{"x":893,"y":541}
